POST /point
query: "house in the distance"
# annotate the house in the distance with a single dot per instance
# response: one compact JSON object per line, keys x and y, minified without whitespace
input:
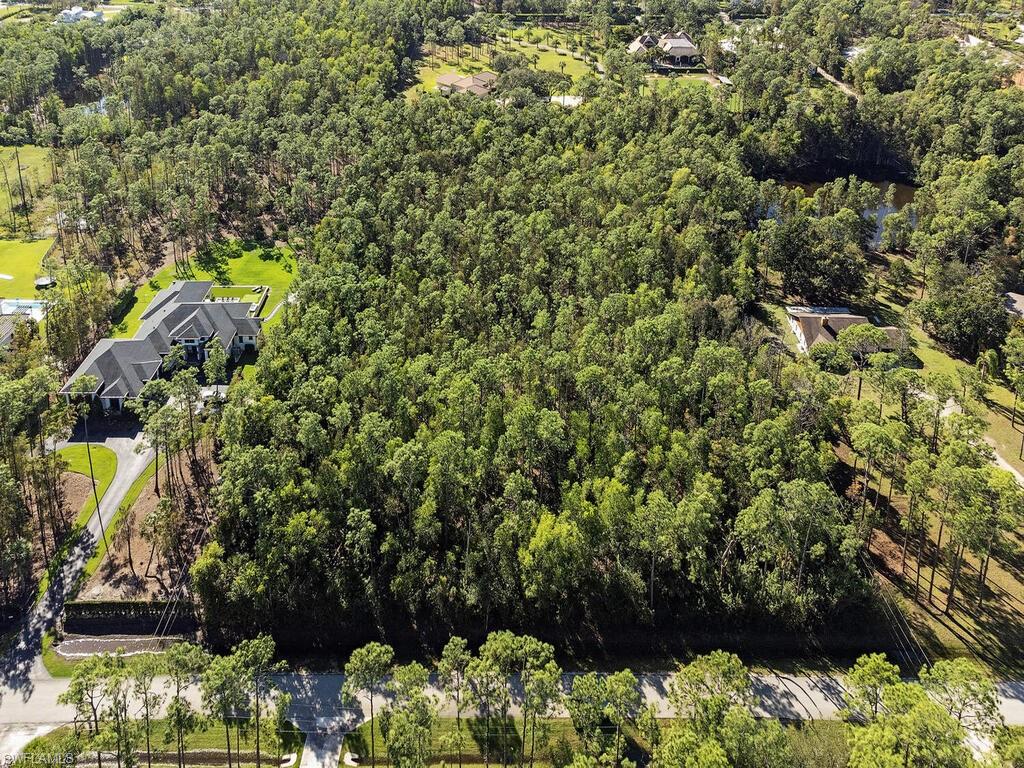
{"x":76,"y":14}
{"x":678,"y":50}
{"x":674,"y":49}
{"x":644,"y":42}
{"x":183,"y":314}
{"x":479,"y":84}
{"x":822,"y":325}
{"x":8,"y":323}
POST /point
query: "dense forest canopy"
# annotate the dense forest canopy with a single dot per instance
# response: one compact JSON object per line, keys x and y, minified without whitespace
{"x":527,"y":358}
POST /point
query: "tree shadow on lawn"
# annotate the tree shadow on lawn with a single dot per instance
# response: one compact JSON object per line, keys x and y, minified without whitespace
{"x":993,"y":634}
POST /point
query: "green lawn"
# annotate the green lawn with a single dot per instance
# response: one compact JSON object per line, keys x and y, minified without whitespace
{"x":558,"y":38}
{"x":55,"y":664}
{"x":104,"y":462}
{"x":246,"y":270}
{"x":36,"y":174}
{"x":21,"y":260}
{"x":104,"y":465}
{"x":209,"y":737}
{"x":444,"y":62}
{"x":665,"y":83}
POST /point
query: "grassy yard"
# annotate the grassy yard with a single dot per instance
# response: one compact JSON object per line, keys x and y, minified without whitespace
{"x":665,"y":83}
{"x":20,"y":259}
{"x":444,"y":62}
{"x":55,"y":664}
{"x":36,"y":175}
{"x":205,"y":746}
{"x":251,"y":268}
{"x":104,"y":465}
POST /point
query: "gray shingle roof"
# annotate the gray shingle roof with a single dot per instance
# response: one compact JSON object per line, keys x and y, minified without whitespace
{"x":7,"y":323}
{"x":177,"y":313}
{"x":179,"y":292}
{"x":121,"y":367}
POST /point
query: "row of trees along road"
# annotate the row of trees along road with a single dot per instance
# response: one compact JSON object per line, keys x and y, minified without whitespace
{"x":118,"y":702}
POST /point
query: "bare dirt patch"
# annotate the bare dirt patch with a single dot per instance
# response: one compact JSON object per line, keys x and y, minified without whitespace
{"x":77,"y":490}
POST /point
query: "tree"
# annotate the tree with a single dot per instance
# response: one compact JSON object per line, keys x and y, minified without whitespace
{"x":185,"y":663}
{"x":451,"y":671}
{"x":866,"y":684}
{"x":623,"y":696}
{"x":915,"y":732}
{"x":705,"y":689}
{"x":223,"y":696}
{"x":486,"y":690}
{"x":256,"y":665}
{"x":144,"y":671}
{"x":860,"y":341}
{"x":215,"y":365}
{"x":586,"y":704}
{"x":365,"y":672}
{"x":965,"y":692}
{"x":411,"y":717}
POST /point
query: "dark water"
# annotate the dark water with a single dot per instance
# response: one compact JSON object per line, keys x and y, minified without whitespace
{"x":902,"y":195}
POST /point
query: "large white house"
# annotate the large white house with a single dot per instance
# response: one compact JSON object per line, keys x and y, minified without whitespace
{"x":76,"y":14}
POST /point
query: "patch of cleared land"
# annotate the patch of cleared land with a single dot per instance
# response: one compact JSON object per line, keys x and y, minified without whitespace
{"x":252,"y":268}
{"x":445,"y":61}
{"x":36,"y":175}
{"x":130,"y":568}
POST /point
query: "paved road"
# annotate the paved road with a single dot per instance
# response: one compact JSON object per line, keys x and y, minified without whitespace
{"x":318,"y":696}
{"x":32,"y":709}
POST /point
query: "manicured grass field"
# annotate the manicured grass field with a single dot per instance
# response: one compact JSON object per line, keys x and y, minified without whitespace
{"x":665,"y":83}
{"x":104,"y":465}
{"x":21,"y":260}
{"x":246,"y":270}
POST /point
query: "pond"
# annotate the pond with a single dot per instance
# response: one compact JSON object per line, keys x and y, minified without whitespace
{"x":902,"y":195}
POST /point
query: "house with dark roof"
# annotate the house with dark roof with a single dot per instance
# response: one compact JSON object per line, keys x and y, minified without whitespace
{"x":7,"y":325}
{"x":822,"y":325}
{"x":678,"y":50}
{"x":183,"y":314}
